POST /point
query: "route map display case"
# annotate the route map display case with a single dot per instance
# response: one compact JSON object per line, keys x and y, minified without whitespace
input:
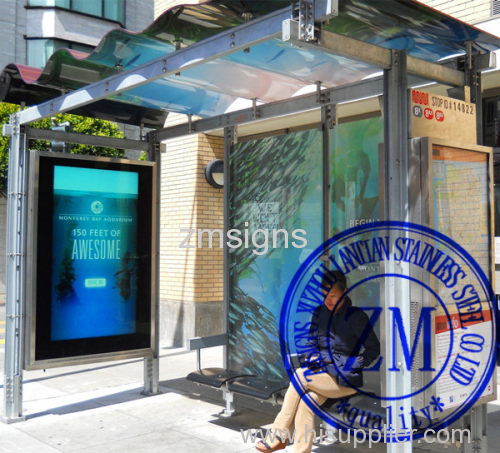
{"x":451,"y":191}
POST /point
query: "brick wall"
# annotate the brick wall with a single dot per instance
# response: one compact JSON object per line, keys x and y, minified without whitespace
{"x":470,"y":11}
{"x":190,"y":277}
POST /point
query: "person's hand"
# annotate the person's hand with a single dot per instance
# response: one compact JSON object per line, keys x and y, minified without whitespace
{"x":315,"y":362}
{"x":355,"y":363}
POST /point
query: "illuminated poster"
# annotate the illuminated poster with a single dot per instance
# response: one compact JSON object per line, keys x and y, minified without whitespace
{"x":94,"y":278}
{"x":92,"y":261}
{"x":277,"y":182}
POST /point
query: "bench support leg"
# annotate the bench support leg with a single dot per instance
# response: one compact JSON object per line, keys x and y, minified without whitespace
{"x":229,"y":398}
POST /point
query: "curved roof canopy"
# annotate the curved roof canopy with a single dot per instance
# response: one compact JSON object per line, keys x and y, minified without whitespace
{"x":270,"y":70}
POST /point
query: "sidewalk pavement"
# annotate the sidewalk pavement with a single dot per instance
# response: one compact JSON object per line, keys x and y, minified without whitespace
{"x":99,"y":408}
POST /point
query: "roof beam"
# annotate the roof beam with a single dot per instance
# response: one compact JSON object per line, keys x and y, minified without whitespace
{"x":435,"y":72}
{"x":84,"y":139}
{"x":345,"y":93}
{"x":230,"y":41}
{"x":370,"y":54}
{"x":339,"y":45}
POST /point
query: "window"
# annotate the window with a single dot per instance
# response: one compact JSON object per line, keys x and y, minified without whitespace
{"x":39,"y":50}
{"x":107,"y":9}
{"x":495,"y":7}
{"x":491,"y":122}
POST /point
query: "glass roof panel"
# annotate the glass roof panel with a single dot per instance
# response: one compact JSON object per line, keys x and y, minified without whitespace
{"x":168,"y":95}
{"x":271,"y":71}
{"x":310,"y":66}
{"x":406,"y":24}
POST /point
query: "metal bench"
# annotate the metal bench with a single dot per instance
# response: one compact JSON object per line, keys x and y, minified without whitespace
{"x":270,"y":390}
{"x":230,"y":381}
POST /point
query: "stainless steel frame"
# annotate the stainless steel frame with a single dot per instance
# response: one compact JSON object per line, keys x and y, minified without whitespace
{"x":394,"y":169}
{"x":16,"y":271}
{"x":30,"y":362}
{"x":152,"y":364}
{"x":93,"y":140}
{"x":230,"y":139}
{"x":396,"y":291}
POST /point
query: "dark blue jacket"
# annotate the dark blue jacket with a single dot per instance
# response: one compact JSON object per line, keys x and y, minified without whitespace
{"x":339,"y":338}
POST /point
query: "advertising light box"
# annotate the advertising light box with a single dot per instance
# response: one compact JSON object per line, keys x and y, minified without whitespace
{"x":91,"y":270}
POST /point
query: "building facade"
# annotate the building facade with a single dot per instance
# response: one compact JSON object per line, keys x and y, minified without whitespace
{"x":484,"y":14}
{"x":31,"y":30}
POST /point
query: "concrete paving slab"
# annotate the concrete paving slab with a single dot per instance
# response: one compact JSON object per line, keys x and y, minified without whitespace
{"x":216,"y":432}
{"x":79,"y":402}
{"x":70,"y":434}
{"x":84,"y":381}
{"x":15,"y":441}
{"x":157,"y":442}
{"x":33,"y":391}
{"x":172,"y":410}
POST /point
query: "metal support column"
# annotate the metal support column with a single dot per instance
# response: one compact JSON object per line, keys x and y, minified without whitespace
{"x":16,"y":278}
{"x":396,"y":208}
{"x":476,"y":420}
{"x":230,"y":139}
{"x":474,"y":82}
{"x":328,"y":118}
{"x":152,"y":364}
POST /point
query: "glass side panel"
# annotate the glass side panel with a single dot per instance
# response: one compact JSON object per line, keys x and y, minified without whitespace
{"x":354,"y":180}
{"x":354,"y":173}
{"x":275,"y":183}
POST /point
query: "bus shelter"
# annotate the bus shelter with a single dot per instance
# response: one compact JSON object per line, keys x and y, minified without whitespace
{"x":334,"y":173}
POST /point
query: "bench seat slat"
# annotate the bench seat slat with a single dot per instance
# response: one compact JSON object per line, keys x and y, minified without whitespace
{"x":257,"y":386}
{"x":214,"y":377}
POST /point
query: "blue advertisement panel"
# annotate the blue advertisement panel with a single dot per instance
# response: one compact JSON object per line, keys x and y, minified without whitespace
{"x":276,"y":183}
{"x":94,"y":250}
{"x":92,"y":256}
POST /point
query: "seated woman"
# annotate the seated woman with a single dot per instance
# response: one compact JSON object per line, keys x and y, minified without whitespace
{"x":332,"y":372}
